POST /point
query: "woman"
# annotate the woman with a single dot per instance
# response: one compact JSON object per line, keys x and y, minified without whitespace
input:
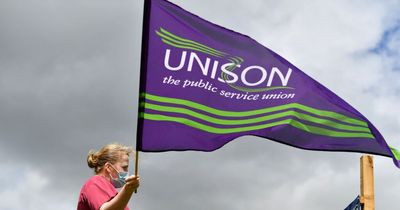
{"x":110,"y":166}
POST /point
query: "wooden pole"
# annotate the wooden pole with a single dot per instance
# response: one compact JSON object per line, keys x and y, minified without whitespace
{"x":143,"y":73}
{"x":367,"y":196}
{"x":136,"y":165}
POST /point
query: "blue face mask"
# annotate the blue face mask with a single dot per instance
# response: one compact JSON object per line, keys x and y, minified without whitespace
{"x":120,"y":181}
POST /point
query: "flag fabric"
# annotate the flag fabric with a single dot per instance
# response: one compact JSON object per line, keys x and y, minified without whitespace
{"x":203,"y":85}
{"x":355,"y":205}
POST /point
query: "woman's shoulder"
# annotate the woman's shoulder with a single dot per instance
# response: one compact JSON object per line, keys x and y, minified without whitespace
{"x":96,"y":191}
{"x":95,"y":179}
{"x":96,"y":182}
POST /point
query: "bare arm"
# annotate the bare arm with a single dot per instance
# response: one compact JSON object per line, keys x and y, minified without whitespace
{"x":122,"y":198}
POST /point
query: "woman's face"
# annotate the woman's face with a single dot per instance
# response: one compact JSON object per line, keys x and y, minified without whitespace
{"x":121,"y":165}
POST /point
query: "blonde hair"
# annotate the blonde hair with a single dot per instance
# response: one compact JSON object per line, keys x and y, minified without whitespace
{"x":110,"y":153}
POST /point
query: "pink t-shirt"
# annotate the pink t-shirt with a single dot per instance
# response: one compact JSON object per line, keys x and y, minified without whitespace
{"x":95,"y":192}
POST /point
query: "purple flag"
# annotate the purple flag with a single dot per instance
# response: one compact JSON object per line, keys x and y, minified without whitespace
{"x":203,"y":85}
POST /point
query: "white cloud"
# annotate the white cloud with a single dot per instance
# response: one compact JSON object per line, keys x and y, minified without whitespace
{"x":27,"y":188}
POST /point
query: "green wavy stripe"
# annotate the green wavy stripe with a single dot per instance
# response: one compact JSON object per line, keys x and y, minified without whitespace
{"x":187,"y":45}
{"x":254,"y":90}
{"x":190,"y":41}
{"x":234,"y":60}
{"x":230,"y":68}
{"x":223,"y":113}
{"x":292,"y":122}
{"x":396,"y":153}
{"x":240,"y":59}
{"x":186,"y":42}
{"x":184,"y":47}
{"x":288,"y":113}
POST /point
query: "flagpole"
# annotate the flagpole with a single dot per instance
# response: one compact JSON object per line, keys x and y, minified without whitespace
{"x":142,"y":85}
{"x":136,"y":162}
{"x":367,"y":196}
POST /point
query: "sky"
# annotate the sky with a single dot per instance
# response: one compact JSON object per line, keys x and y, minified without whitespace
{"x":69,"y":83}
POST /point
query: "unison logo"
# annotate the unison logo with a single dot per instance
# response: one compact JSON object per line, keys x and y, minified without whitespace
{"x":232,"y":71}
